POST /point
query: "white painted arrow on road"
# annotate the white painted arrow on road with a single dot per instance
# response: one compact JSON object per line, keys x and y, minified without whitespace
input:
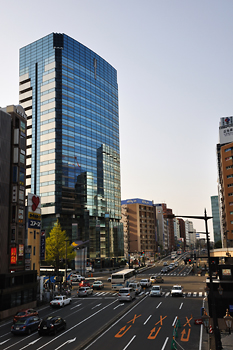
{"x":67,"y":342}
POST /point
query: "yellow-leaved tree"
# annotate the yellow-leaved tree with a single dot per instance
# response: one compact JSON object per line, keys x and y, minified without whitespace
{"x":58,"y":246}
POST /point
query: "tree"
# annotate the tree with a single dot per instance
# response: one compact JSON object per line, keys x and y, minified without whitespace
{"x":56,"y":245}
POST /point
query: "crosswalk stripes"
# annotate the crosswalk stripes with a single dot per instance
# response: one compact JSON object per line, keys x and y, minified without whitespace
{"x":164,"y":294}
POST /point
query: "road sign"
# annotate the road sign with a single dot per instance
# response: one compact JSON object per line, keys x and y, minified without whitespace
{"x":198,"y":321}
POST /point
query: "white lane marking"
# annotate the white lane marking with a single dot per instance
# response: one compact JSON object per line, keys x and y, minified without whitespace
{"x":194,"y":294}
{"x":33,"y":342}
{"x":200,"y":340}
{"x":95,"y":306}
{"x":181,"y":306}
{"x":4,"y":335}
{"x":166,"y":295}
{"x":147,"y":320}
{"x":189,"y":294}
{"x":122,"y":304}
{"x":129,"y":342}
{"x":174,"y":321}
{"x":158,"y":305}
{"x":77,"y":324}
{"x":114,"y":323}
{"x":4,"y":341}
{"x":165,"y":343}
{"x":75,"y":306}
{"x":18,"y":342}
{"x":200,"y":294}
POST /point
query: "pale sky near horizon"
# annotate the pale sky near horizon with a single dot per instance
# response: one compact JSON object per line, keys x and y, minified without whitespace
{"x":174,"y":62}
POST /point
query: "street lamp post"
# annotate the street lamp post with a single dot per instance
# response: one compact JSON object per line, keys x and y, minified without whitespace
{"x":228,"y":320}
{"x":217,"y":335}
{"x":66,"y":240}
{"x":206,"y":320}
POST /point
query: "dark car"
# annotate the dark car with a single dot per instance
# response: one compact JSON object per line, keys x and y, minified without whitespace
{"x":25,"y":325}
{"x":24,"y":313}
{"x":51,"y":324}
{"x":165,"y":269}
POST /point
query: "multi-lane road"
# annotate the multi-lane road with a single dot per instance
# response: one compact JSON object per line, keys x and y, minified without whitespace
{"x":102,"y":322}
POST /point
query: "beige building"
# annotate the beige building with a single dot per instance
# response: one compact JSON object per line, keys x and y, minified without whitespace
{"x":138,"y":218}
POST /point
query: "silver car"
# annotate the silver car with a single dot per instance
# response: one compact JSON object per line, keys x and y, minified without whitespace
{"x":156,"y":291}
{"x":126,"y":294}
{"x":84,"y":291}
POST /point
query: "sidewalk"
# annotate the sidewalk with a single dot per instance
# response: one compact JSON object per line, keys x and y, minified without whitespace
{"x":227,"y":341}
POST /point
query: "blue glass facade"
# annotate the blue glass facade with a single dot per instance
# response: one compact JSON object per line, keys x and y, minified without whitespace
{"x":70,"y":95}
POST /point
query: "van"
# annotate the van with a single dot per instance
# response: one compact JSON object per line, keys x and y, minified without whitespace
{"x":136,"y":287}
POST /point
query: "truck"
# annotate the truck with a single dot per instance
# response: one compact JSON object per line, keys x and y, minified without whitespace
{"x":60,"y":301}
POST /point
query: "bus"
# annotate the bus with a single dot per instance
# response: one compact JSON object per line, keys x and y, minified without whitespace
{"x":173,"y":255}
{"x":119,"y":278}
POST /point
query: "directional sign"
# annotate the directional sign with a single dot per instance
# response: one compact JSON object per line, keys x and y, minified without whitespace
{"x":198,"y":321}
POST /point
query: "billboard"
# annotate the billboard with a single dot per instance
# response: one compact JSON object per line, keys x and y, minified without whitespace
{"x":42,"y":245}
{"x":13,"y":256}
{"x":34,"y":203}
{"x":226,"y":135}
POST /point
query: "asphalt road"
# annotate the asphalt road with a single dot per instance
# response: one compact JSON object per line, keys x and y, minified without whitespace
{"x":146,"y":322}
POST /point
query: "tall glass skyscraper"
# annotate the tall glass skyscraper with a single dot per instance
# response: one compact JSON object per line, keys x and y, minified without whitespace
{"x":70,"y":95}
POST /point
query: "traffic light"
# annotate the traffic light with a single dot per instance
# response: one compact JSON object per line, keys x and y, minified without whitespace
{"x":143,"y":253}
{"x":190,"y":261}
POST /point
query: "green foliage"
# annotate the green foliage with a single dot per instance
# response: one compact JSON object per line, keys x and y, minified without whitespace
{"x":56,"y":246}
{"x":218,"y":244}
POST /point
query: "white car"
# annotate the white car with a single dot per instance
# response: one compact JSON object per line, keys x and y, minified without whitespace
{"x":156,"y":291}
{"x":177,"y":290}
{"x":145,"y":283}
{"x":76,"y":278}
{"x":60,"y":301}
{"x":126,"y":294}
{"x":136,"y":287}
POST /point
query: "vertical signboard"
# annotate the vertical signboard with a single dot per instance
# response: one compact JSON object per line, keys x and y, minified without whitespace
{"x":42,"y":245}
{"x":13,"y":256}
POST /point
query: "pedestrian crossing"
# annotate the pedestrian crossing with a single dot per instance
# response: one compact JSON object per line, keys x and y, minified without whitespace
{"x":164,"y":294}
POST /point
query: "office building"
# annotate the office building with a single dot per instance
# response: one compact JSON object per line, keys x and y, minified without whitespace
{"x":70,"y":95}
{"x":162,"y":229}
{"x":12,"y":188}
{"x":17,"y":287}
{"x":225,"y":180}
{"x":138,"y":218}
{"x":216,"y":218}
{"x":167,"y":213}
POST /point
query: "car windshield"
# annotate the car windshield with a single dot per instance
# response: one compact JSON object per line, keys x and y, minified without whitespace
{"x":122,"y":291}
{"x":22,"y":321}
{"x":155,"y":288}
{"x":21,"y":313}
{"x":58,"y":298}
{"x":143,"y":280}
{"x":177,"y":288}
{"x":81,"y":289}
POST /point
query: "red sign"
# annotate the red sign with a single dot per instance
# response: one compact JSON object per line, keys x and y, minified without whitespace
{"x":13,"y":256}
{"x":36,"y":202}
{"x":198,"y":321}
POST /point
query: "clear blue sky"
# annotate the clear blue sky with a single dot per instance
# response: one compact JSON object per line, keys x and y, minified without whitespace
{"x":174,"y":61}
